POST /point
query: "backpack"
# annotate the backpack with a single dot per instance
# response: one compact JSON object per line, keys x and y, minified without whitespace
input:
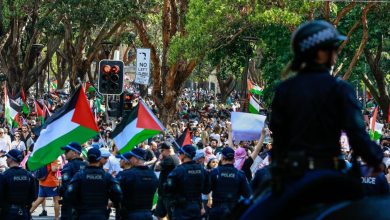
{"x":41,"y":173}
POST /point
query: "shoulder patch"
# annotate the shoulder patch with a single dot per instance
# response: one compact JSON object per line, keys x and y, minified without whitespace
{"x":65,"y":176}
{"x":169,"y":182}
{"x":70,"y":188}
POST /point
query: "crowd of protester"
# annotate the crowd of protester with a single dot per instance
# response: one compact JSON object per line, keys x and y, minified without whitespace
{"x":207,"y":120}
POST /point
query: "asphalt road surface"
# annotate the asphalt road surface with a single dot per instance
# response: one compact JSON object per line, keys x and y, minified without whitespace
{"x":50,"y":211}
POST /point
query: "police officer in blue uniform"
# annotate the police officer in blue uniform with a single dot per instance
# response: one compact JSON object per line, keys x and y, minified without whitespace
{"x":186,"y":183}
{"x":228,"y":184}
{"x":74,"y":165}
{"x":374,"y":186}
{"x":306,"y":146}
{"x":17,"y":189}
{"x":138,"y":183}
{"x":90,"y":189}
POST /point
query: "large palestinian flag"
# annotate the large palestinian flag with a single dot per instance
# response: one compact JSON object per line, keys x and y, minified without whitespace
{"x":136,"y":127}
{"x":73,"y":123}
{"x":12,"y":109}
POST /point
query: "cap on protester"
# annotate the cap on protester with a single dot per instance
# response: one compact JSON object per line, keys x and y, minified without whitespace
{"x":14,"y":154}
{"x":228,"y":153}
{"x":96,"y":138}
{"x":208,"y":126}
{"x":188,"y":150}
{"x":166,"y":145}
{"x":200,"y":145}
{"x":105,"y":152}
{"x":72,"y":146}
{"x":93,"y":155}
{"x":199,"y":154}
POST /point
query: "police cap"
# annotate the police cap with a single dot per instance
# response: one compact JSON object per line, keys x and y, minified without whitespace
{"x":93,"y":154}
{"x":14,"y":154}
{"x":228,"y":153}
{"x":188,"y":150}
{"x":72,"y":146}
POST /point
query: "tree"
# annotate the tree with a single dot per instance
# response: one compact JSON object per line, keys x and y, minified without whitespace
{"x":24,"y":23}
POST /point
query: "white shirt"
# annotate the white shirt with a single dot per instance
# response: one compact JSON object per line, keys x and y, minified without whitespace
{"x":18,"y":145}
{"x":4,"y":145}
{"x":113,"y":164}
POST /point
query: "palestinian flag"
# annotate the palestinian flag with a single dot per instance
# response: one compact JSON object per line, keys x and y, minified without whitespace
{"x":38,"y":110}
{"x":12,"y":109}
{"x":184,"y":139}
{"x":26,"y":110}
{"x":136,"y":127}
{"x":45,"y":113}
{"x":375,"y":127}
{"x":90,"y":88}
{"x":254,"y":105}
{"x":253,"y":88}
{"x":98,"y":106}
{"x":55,"y":84}
{"x":73,"y":122}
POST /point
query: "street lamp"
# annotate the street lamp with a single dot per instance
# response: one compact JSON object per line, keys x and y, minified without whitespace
{"x":249,"y":52}
{"x":107,"y":46}
{"x":37,"y":48}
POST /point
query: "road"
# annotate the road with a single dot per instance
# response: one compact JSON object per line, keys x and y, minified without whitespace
{"x":50,"y":211}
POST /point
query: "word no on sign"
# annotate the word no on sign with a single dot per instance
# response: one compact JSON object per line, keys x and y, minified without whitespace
{"x":142,"y":72}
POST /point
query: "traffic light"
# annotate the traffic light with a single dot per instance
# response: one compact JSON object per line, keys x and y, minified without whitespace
{"x":111,"y":77}
{"x":127,"y":105}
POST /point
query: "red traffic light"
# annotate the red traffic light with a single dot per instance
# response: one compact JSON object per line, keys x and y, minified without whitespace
{"x":127,"y":97}
{"x":115,"y":69}
{"x":106,"y":69}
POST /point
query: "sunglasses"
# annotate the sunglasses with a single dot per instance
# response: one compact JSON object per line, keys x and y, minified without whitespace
{"x":17,"y":136}
{"x":1,"y":132}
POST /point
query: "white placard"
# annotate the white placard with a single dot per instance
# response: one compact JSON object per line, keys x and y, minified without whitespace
{"x":256,"y":164}
{"x":246,"y":126}
{"x":142,"y":73}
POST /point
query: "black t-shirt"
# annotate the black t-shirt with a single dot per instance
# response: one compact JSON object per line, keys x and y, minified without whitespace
{"x":167,"y":165}
{"x":246,"y":167}
{"x":149,"y":155}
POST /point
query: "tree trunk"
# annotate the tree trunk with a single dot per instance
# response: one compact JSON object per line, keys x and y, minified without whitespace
{"x":42,"y":79}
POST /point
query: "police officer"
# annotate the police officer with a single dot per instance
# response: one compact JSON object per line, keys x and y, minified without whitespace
{"x":90,"y":189}
{"x":306,"y":147}
{"x":228,"y":185}
{"x":17,"y":189}
{"x":186,"y":183}
{"x":74,"y":165}
{"x":138,"y":183}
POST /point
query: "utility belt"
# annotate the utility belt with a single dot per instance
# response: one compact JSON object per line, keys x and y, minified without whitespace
{"x":94,"y":211}
{"x":297,"y":164}
{"x":18,"y":207}
{"x":183,"y":202}
{"x":228,"y":204}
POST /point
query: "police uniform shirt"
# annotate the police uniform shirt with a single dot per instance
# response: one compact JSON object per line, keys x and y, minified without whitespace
{"x":176,"y":180}
{"x":261,"y":176}
{"x":70,"y":169}
{"x":75,"y":187}
{"x":375,"y":186}
{"x":340,"y":111}
{"x":243,"y":186}
{"x":24,"y":181}
{"x":127,"y":180}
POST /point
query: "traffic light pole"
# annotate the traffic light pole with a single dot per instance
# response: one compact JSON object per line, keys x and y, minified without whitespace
{"x":106,"y":106}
